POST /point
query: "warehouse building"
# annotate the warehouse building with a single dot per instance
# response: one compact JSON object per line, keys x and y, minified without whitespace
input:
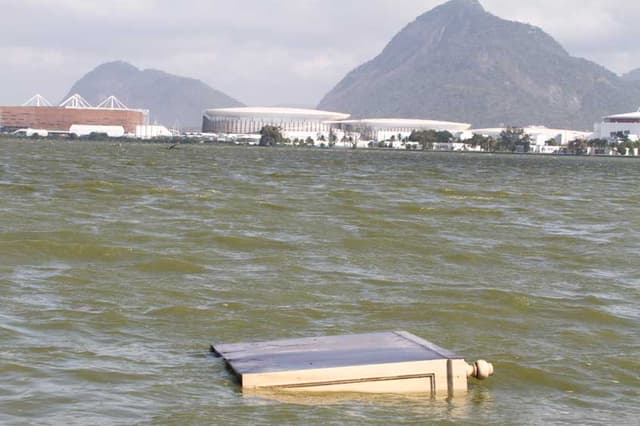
{"x":37,"y":113}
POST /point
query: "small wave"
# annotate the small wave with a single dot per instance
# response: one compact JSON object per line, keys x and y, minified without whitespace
{"x":102,"y":187}
{"x":411,"y":208}
{"x":461,"y":211}
{"x":275,"y":207}
{"x":540,"y":377}
{"x":7,"y":369}
{"x":17,"y":187}
{"x":171,"y":265}
{"x":474,"y":195}
{"x":469,"y":258}
{"x":358,"y":243}
{"x":249,"y":243}
{"x":106,"y":376}
{"x":94,"y":186}
{"x":72,"y":251}
{"x":600,"y":316}
{"x":346,"y":194}
{"x":181,"y":311}
{"x":286,"y":176}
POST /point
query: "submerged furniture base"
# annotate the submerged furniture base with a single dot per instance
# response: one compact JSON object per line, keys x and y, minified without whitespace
{"x":395,"y":362}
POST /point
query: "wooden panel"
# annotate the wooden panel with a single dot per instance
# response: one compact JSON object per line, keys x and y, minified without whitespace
{"x":330,"y":352}
{"x":371,"y":363}
{"x":423,"y":377}
{"x":419,"y":384}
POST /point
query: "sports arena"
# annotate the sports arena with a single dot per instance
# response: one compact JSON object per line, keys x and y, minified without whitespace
{"x":292,"y":121}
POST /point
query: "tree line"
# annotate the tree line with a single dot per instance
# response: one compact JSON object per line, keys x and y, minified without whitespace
{"x":512,"y":139}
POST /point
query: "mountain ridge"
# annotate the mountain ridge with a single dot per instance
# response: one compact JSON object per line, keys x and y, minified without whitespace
{"x":171,"y":99}
{"x":460,"y":62}
{"x":633,"y":75}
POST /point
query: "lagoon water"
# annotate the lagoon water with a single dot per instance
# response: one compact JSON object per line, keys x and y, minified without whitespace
{"x":121,"y":264}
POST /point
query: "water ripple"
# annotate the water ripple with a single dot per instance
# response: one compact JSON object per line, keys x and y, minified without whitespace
{"x":120,"y":265}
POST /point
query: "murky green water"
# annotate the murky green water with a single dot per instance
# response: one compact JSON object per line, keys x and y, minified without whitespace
{"x":119,"y":265}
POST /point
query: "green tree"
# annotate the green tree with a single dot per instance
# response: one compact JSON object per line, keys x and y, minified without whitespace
{"x":598,"y":143}
{"x":270,"y":136}
{"x":577,"y":147}
{"x":491,"y":144}
{"x":487,"y":143}
{"x":444,"y":136}
{"x":626,"y":147}
{"x":513,"y":139}
{"x":426,"y":138}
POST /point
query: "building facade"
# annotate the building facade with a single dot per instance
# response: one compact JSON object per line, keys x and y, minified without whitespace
{"x":542,"y":139}
{"x":61,"y":119}
{"x":317,"y":125}
{"x":619,"y":126}
{"x":383,"y":129}
{"x":291,"y":121}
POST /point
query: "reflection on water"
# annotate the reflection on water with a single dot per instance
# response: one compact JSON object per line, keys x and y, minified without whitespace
{"x":120,"y":264}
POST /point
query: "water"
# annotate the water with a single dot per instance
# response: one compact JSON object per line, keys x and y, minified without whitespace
{"x":120,"y":264}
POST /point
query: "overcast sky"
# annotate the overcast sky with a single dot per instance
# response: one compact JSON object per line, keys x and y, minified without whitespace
{"x":262,"y":52}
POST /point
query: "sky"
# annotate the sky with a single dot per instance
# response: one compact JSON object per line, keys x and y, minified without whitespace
{"x":262,"y":52}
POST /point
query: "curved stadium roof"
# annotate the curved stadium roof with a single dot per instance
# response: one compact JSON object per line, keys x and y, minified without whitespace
{"x":630,"y":115}
{"x":293,"y":113}
{"x":410,"y":123}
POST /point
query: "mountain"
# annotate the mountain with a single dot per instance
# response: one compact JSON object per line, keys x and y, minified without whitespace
{"x":459,"y":62}
{"x":632,"y":76}
{"x":169,"y":98}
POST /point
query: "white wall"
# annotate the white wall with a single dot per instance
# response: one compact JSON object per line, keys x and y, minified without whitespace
{"x":86,"y":130}
{"x":604,"y":129}
{"x":152,"y":131}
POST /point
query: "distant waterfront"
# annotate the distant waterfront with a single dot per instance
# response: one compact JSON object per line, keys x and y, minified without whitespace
{"x":121,"y":263}
{"x":583,"y":149}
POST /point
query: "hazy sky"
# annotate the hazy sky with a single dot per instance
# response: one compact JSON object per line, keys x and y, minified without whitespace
{"x":262,"y":52}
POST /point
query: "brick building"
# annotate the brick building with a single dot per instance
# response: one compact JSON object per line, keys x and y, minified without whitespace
{"x":61,"y":118}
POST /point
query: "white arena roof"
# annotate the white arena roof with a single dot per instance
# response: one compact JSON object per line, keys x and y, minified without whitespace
{"x":630,"y":115}
{"x":384,"y":123}
{"x":531,"y":130}
{"x":277,"y":112}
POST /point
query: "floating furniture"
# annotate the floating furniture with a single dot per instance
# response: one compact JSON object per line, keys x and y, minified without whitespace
{"x":395,"y":362}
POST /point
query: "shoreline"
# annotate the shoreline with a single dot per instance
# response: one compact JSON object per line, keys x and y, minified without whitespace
{"x":176,"y":142}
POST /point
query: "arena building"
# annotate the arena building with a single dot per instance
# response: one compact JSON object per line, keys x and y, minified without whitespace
{"x":540,"y":137}
{"x":37,"y":113}
{"x":382,"y":129}
{"x":293,"y":122}
{"x":314,"y":124}
{"x":619,"y":126}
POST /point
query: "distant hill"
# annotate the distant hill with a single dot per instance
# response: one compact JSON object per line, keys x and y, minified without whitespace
{"x":169,"y":98}
{"x":632,"y":76}
{"x":459,"y":62}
